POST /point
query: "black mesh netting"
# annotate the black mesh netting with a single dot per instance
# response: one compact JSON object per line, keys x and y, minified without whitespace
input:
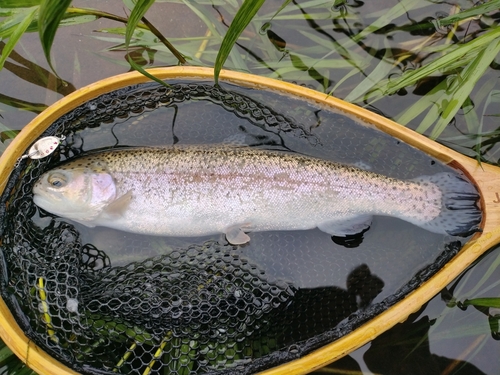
{"x":198,"y":308}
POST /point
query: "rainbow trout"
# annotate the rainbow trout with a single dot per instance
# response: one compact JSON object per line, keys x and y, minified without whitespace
{"x":202,"y":190}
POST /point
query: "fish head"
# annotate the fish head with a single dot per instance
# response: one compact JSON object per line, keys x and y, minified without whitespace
{"x":77,"y":193}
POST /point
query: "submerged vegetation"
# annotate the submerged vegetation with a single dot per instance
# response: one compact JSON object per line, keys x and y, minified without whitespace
{"x":438,"y":62}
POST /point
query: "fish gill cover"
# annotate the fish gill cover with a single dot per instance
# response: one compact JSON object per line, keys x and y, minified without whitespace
{"x":201,"y":305}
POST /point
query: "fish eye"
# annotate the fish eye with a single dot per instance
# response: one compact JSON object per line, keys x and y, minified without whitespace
{"x":57,"y":180}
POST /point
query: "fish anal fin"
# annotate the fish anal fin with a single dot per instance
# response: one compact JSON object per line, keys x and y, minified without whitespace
{"x":119,"y":205}
{"x":345,"y":227}
{"x":236,"y":236}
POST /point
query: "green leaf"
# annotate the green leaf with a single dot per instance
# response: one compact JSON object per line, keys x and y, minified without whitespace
{"x":5,"y":354}
{"x":202,"y":16}
{"x":426,"y":101}
{"x":283,"y":6}
{"x":10,"y":134}
{"x":381,"y":71}
{"x":16,"y":35}
{"x":50,"y":15}
{"x":486,"y":302}
{"x":471,"y":12}
{"x":388,"y":16}
{"x":241,"y":20}
{"x":465,"y":83}
{"x":9,"y":24}
{"x":140,"y":69}
{"x":139,"y":10}
{"x":462,"y":54}
{"x":333,"y":46}
{"x":19,"y":3}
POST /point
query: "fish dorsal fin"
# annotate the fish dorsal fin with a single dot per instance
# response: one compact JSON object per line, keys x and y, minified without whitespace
{"x":119,"y":205}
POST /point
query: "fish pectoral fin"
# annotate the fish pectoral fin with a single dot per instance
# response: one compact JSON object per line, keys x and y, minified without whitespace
{"x":236,"y":236}
{"x":119,"y":205}
{"x":346,"y":227}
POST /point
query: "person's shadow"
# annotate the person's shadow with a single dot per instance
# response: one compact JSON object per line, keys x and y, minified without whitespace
{"x":314,"y":311}
{"x":403,"y":350}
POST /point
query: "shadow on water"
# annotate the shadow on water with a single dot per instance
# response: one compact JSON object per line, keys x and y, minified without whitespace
{"x":410,"y":350}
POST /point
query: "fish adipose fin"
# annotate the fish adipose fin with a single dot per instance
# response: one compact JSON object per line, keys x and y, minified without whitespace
{"x":346,"y":227}
{"x":236,"y":236}
{"x":460,"y":214}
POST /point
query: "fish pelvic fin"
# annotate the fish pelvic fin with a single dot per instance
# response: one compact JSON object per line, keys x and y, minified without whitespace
{"x":236,"y":236}
{"x":460,"y":214}
{"x":347,"y":227}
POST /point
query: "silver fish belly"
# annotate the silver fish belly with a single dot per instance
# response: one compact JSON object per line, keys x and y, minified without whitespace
{"x":201,"y":190}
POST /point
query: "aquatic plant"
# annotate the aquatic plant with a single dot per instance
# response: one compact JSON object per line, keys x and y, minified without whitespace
{"x":10,"y":364}
{"x":448,"y":57}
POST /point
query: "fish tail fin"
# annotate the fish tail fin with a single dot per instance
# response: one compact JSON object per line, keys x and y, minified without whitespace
{"x":460,"y":214}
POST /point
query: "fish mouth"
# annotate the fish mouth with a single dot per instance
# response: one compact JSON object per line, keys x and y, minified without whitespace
{"x":40,"y":200}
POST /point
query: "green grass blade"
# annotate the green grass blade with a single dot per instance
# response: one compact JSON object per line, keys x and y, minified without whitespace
{"x":346,"y":76}
{"x":10,"y":23}
{"x":50,"y":15}
{"x":399,"y":9}
{"x":202,"y":16}
{"x":242,"y":18}
{"x":5,"y":354}
{"x":5,"y":134}
{"x":361,"y":62}
{"x":143,"y":71}
{"x":486,"y":302}
{"x":473,"y":122}
{"x":462,"y":54}
{"x":16,"y":35}
{"x":140,"y":9}
{"x":381,"y":71}
{"x":471,"y":12}
{"x":465,"y":82}
{"x":19,"y":3}
{"x":434,"y":112}
{"x":283,"y":6}
{"x":429,"y":100}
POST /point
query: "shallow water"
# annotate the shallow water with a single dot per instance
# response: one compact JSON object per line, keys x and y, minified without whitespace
{"x":76,"y":61}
